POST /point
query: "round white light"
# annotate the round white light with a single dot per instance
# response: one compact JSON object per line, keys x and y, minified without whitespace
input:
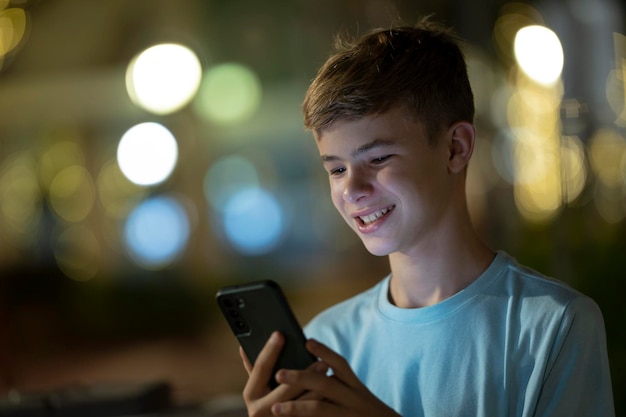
{"x":539,"y":53}
{"x":147,"y":153}
{"x":163,"y":78}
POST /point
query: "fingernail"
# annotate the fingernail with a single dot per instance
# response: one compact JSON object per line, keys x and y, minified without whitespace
{"x":277,"y":409}
{"x":280,"y":375}
{"x":275,"y":337}
{"x":320,"y":367}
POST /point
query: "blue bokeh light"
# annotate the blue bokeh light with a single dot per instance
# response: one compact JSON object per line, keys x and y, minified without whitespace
{"x":157,"y":231}
{"x":226,"y":177}
{"x":253,"y":221}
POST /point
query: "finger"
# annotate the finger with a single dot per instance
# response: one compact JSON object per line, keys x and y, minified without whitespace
{"x":289,"y":391}
{"x":245,"y":360}
{"x":307,"y":408}
{"x":338,"y":364}
{"x":319,"y":384}
{"x":318,"y":367}
{"x":311,"y":396}
{"x":262,"y":368}
{"x":327,"y":396}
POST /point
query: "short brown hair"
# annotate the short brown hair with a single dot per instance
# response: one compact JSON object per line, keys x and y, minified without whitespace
{"x":420,"y":67}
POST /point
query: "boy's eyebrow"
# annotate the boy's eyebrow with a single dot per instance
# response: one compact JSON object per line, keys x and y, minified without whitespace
{"x":377,"y":143}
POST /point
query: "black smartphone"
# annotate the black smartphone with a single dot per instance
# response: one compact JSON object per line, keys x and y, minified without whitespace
{"x":256,"y":309}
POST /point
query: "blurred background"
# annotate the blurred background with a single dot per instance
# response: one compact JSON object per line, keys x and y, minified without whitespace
{"x":152,"y":151}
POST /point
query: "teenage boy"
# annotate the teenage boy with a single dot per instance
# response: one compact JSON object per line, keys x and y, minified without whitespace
{"x":455,"y":329}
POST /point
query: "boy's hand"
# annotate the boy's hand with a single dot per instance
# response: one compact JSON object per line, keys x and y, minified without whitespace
{"x":341,"y":394}
{"x":257,"y":394}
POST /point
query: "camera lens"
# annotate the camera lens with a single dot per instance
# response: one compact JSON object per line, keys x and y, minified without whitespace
{"x":240,"y":327}
{"x":234,"y":313}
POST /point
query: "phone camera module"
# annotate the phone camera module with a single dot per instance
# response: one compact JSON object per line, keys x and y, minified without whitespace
{"x":241,"y":327}
{"x":228,"y":303}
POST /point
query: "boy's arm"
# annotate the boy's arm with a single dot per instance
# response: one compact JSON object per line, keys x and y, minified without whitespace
{"x":577,"y":381}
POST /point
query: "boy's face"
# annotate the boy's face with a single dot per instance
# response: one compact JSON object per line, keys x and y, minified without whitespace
{"x":389,"y":185}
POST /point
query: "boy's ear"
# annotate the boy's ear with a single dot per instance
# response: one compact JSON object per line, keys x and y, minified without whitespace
{"x":461,"y":145}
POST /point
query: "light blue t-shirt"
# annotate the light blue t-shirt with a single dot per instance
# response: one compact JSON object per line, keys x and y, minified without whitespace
{"x":513,"y":343}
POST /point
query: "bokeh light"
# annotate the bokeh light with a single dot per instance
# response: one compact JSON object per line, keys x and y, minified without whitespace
{"x":253,"y":221}
{"x":513,"y":17}
{"x":72,"y":193}
{"x":539,"y":53}
{"x":226,"y":177}
{"x":607,"y":150}
{"x":20,"y":198}
{"x":147,"y":153}
{"x":573,"y":167}
{"x":616,"y":81}
{"x":12,"y":29}
{"x":76,"y":252}
{"x":503,"y":154}
{"x":163,"y":78}
{"x":57,"y":156}
{"x":229,"y":93}
{"x":117,"y":195}
{"x":156,"y":232}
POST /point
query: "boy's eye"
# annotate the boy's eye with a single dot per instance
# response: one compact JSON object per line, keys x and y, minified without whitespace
{"x":336,"y":171}
{"x":380,"y":159}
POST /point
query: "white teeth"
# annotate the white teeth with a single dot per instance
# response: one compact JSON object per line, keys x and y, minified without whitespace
{"x":375,"y":215}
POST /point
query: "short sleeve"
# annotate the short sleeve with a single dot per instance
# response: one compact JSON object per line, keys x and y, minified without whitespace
{"x":577,"y":381}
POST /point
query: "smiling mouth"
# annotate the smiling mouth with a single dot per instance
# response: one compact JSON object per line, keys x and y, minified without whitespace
{"x":372,"y":217}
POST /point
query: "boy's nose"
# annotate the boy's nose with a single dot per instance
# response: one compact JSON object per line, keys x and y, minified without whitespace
{"x":357,"y":187}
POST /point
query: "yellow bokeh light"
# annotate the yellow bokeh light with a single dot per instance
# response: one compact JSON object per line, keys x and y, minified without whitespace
{"x":20,"y":197}
{"x":616,"y":81}
{"x":12,"y":29}
{"x":533,"y":159}
{"x":76,"y":252}
{"x":72,"y":193}
{"x":573,"y":167}
{"x":541,"y":186}
{"x":537,"y":188}
{"x":229,"y":93}
{"x":116,"y":193}
{"x":163,"y":78}
{"x":610,"y":203}
{"x":56,"y":158}
{"x":607,"y":149}
{"x":539,"y":53}
{"x":534,"y":106}
{"x":540,"y":201}
{"x":616,"y":93}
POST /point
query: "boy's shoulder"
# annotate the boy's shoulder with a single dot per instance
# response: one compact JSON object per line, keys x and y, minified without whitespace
{"x":353,"y":308}
{"x":523,"y":280}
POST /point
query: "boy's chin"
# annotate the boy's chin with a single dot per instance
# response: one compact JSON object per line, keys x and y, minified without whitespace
{"x":376,"y":248}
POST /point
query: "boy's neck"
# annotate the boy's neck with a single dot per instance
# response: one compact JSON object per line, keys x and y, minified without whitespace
{"x":437,"y":271}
